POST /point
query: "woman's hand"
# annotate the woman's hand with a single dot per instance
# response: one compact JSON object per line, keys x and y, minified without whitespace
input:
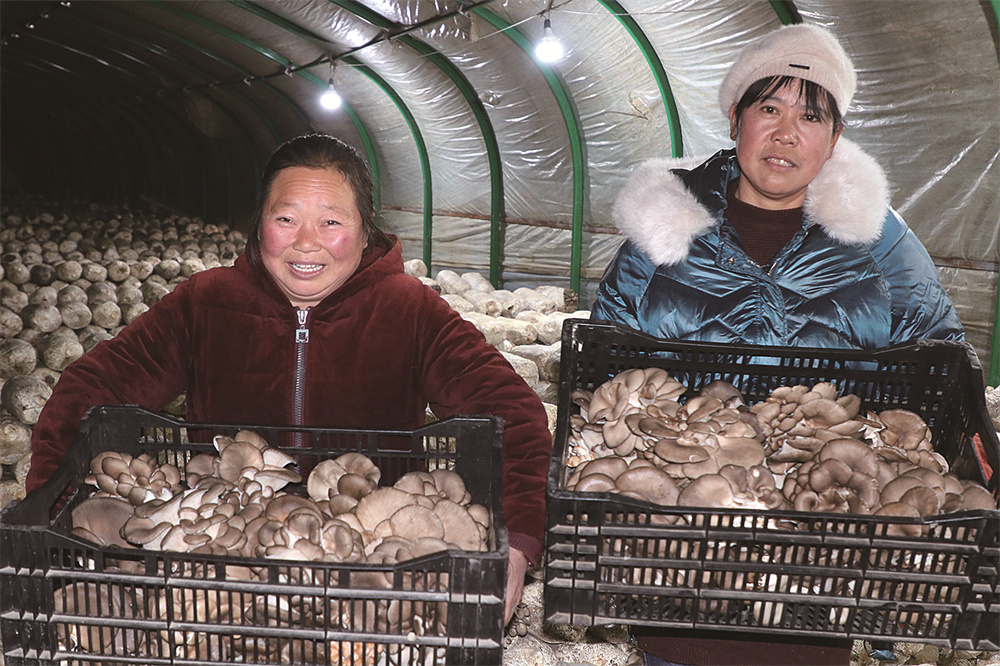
{"x":517,"y":565}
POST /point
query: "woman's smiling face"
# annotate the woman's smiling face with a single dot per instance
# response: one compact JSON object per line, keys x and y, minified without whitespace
{"x":781,"y":147}
{"x":312,"y":236}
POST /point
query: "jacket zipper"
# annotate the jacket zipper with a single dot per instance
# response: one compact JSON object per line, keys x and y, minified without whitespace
{"x":301,"y":346}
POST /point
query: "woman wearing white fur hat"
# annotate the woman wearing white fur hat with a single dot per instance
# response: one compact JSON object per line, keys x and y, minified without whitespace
{"x":786,"y":240}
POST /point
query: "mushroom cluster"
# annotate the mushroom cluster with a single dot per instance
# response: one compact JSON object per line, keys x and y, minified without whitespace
{"x":803,"y":448}
{"x":234,"y":503}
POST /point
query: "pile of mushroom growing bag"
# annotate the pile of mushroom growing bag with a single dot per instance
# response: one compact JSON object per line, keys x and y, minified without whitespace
{"x":70,"y":277}
{"x":802,"y":448}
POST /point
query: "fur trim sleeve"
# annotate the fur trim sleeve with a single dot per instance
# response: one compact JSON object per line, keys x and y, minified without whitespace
{"x":658,"y":213}
{"x":849,"y":196}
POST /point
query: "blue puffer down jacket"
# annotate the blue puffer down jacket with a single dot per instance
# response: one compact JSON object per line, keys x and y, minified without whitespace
{"x":854,"y":276}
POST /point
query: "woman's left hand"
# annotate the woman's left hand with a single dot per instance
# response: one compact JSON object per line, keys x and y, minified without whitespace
{"x":517,"y":565}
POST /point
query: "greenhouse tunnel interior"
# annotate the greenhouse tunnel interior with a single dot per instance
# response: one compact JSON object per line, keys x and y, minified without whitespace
{"x":486,"y":159}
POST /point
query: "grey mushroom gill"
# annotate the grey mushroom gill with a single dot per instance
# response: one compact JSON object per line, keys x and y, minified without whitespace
{"x":235,"y":503}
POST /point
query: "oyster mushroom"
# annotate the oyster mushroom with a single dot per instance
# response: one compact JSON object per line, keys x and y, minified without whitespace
{"x":841,"y":478}
{"x":100,"y":519}
{"x":609,"y":467}
{"x":377,"y":506}
{"x":649,"y":483}
{"x":341,"y":542}
{"x":325,"y":477}
{"x":899,"y":434}
{"x":460,"y":528}
{"x":709,"y":490}
{"x":450,"y":485}
{"x":414,"y":521}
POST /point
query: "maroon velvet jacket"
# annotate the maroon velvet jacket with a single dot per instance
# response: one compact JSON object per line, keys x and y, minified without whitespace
{"x":381,"y":348}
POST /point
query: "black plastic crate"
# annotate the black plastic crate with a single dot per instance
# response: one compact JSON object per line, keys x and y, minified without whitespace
{"x":155,"y":607}
{"x":610,"y":559}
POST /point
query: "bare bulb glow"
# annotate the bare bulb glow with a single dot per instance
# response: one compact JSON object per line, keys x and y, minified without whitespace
{"x":549,"y":48}
{"x":330,"y":99}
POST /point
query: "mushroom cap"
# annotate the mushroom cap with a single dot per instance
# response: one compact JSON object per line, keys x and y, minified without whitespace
{"x":701,"y":407}
{"x":673,"y":451}
{"x":450,"y":484}
{"x":417,"y":483}
{"x":460,"y":528}
{"x":339,"y":504}
{"x":235,"y":457}
{"x":903,"y":428}
{"x":895,"y":489}
{"x":379,"y":504}
{"x":595,"y":483}
{"x":743,"y":451}
{"x":609,"y":402}
{"x":709,"y":490}
{"x":610,"y":466}
{"x":652,"y":483}
{"x":354,"y":485}
{"x":324,"y":478}
{"x":253,"y":438}
{"x":116,"y":463}
{"x":341,"y":542}
{"x":724,"y":391}
{"x":414,"y":521}
{"x":199,"y":466}
{"x":853,"y":452}
{"x":976,"y":497}
{"x":280,"y":506}
{"x":322,"y":481}
{"x":826,"y":412}
{"x":103,"y":518}
{"x":927,"y":501}
{"x":902,"y":510}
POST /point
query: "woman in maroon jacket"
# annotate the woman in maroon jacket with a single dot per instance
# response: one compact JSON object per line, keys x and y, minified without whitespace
{"x":316,"y":324}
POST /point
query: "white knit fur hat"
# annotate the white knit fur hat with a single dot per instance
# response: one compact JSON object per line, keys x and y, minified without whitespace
{"x":805,"y":51}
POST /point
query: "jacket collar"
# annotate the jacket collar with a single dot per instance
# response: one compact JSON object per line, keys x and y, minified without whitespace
{"x":660,"y":212}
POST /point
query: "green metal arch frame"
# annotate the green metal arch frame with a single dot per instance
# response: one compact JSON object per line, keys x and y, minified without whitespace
{"x":786,"y":10}
{"x":576,"y":143}
{"x":262,"y":50}
{"x":378,"y":81}
{"x":659,"y":73}
{"x":497,"y":199}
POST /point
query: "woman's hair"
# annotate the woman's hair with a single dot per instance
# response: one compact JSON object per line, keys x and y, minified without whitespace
{"x":819,"y":101}
{"x":318,"y":151}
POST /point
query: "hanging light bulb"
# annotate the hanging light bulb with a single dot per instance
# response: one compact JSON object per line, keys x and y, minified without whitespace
{"x":549,"y":48}
{"x":330,"y":99}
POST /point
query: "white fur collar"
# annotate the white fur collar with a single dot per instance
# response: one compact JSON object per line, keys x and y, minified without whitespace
{"x":655,"y":210}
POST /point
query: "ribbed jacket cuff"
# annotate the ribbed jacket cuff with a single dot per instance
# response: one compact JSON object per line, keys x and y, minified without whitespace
{"x":530,"y":546}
